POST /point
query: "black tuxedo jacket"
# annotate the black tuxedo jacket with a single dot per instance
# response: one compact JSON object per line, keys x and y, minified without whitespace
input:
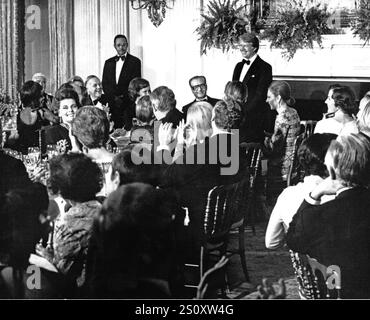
{"x":257,"y":79}
{"x":337,"y":233}
{"x":185,"y":108}
{"x":258,"y":116}
{"x":130,"y":70}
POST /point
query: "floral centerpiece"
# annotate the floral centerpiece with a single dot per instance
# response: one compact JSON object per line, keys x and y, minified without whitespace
{"x":296,"y":26}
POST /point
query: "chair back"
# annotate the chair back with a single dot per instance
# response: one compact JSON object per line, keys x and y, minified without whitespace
{"x":308,"y":127}
{"x":295,"y":172}
{"x":316,"y":281}
{"x":254,"y":156}
{"x":218,"y":215}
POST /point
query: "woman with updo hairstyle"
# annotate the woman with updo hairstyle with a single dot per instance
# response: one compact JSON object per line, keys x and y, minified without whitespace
{"x":342,"y":121}
{"x":279,"y":146}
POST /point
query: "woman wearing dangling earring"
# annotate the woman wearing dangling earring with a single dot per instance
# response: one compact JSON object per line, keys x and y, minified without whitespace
{"x":279,"y":147}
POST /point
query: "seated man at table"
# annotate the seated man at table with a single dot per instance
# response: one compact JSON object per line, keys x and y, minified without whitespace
{"x":338,"y":232}
{"x":198,"y":85}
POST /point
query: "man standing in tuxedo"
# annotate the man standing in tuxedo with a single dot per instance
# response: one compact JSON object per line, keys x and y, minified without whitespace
{"x":198,"y":85}
{"x":256,"y":74}
{"x":117,"y":74}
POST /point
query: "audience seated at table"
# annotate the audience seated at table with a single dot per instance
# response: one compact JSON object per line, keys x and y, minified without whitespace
{"x":127,"y":222}
{"x":311,"y":155}
{"x":337,"y":232}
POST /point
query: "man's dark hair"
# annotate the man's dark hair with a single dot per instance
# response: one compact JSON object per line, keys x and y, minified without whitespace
{"x":312,"y":151}
{"x":135,"y":86}
{"x":197,"y":77}
{"x":118,"y":36}
{"x":129,"y":172}
{"x":75,"y":176}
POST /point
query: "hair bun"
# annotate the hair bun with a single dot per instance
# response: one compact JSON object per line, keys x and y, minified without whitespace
{"x":290,"y":102}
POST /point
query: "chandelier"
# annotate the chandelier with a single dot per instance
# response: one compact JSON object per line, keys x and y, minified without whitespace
{"x":156,"y":9}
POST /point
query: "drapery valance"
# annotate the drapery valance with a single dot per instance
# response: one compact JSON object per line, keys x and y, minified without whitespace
{"x":12,"y":14}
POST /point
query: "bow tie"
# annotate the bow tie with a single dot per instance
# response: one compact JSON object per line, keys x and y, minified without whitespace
{"x":248,"y":62}
{"x":120,"y":57}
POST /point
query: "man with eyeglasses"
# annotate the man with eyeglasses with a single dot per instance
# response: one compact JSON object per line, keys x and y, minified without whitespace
{"x":198,"y":85}
{"x":256,"y":74}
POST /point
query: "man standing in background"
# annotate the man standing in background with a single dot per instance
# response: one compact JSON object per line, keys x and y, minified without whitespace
{"x":256,"y":74}
{"x":117,"y":74}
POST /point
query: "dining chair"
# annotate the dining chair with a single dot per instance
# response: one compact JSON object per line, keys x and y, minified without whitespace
{"x":315,"y":280}
{"x":217,"y":222}
{"x":308,"y":127}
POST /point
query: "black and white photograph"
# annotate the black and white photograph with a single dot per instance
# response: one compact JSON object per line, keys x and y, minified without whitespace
{"x":194,"y":152}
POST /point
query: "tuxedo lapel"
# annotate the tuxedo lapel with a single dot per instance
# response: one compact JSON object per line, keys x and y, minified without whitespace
{"x":238,"y":71}
{"x":124,"y":69}
{"x":251,"y":70}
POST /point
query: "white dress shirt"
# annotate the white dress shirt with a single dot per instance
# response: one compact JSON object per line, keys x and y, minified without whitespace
{"x":119,"y":65}
{"x":286,"y":207}
{"x":246,"y":68}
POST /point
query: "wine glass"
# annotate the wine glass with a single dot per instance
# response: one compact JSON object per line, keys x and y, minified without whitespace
{"x":51,"y":151}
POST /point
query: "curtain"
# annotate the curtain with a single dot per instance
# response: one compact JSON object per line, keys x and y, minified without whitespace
{"x":11,"y":46}
{"x":96,"y":23}
{"x":61,"y":42}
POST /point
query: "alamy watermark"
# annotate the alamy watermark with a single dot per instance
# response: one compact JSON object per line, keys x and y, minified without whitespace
{"x":33,"y":17}
{"x":222,"y":150}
